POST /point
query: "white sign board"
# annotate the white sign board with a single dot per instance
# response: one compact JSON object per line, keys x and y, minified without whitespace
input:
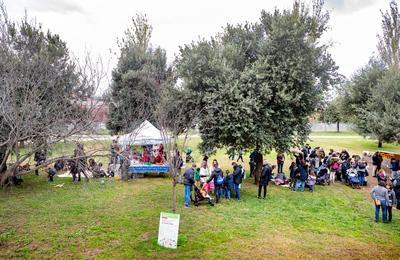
{"x":168,"y":230}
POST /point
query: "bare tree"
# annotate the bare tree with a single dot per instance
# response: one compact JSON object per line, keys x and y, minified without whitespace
{"x":40,"y":90}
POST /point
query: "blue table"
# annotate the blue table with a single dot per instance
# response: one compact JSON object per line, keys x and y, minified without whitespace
{"x":148,"y":168}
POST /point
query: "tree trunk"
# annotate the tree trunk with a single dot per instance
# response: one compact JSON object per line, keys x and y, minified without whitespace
{"x":22,"y":144}
{"x":337,"y":125}
{"x":259,"y":163}
{"x":174,"y":194}
{"x":379,"y":144}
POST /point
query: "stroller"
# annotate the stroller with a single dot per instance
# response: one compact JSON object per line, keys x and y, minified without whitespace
{"x":352,"y":178}
{"x":189,"y":158}
{"x":199,"y":197}
{"x":322,"y":175}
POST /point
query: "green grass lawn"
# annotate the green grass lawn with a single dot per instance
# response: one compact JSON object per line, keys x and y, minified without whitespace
{"x":120,"y":220}
{"x":334,"y":133}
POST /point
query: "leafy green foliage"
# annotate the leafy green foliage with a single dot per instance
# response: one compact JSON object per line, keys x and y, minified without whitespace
{"x":139,"y":68}
{"x":382,"y":112}
{"x":262,"y":79}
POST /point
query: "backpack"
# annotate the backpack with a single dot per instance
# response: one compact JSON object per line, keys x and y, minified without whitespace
{"x":335,"y":166}
{"x":243,"y":174}
{"x":361,"y":165}
{"x":220,"y":180}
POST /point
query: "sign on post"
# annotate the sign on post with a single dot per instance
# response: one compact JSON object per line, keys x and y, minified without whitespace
{"x":168,"y":230}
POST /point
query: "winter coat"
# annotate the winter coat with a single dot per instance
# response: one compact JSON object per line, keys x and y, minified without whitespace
{"x":375,"y":159}
{"x":332,"y":162}
{"x":313,"y":166}
{"x":321,"y":154}
{"x":214,"y":175}
{"x":237,"y":174}
{"x":396,"y":184}
{"x":311,"y":180}
{"x":346,"y":155}
{"x":345,"y":165}
{"x":292,"y":172}
{"x":392,"y":197}
{"x":265,"y":174}
{"x":395,"y":166}
{"x":281,"y":176}
{"x":228,"y":182}
{"x":52,"y":171}
{"x":303,"y":170}
{"x":188,"y":177}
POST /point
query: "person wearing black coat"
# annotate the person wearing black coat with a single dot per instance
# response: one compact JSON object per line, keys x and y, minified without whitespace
{"x":214,"y":176}
{"x":39,"y":158}
{"x":302,"y":175}
{"x":188,"y":181}
{"x":264,"y":179}
{"x":237,"y":178}
{"x":229,"y":184}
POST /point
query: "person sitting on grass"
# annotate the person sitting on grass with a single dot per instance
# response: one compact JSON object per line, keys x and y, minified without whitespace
{"x":50,"y":173}
{"x":281,"y":179}
{"x":111,"y":170}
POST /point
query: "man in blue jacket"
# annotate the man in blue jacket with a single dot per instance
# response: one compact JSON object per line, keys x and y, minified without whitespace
{"x":188,"y":181}
{"x":237,"y":178}
{"x":394,"y":168}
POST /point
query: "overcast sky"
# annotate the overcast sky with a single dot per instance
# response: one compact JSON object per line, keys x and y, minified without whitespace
{"x":97,"y":24}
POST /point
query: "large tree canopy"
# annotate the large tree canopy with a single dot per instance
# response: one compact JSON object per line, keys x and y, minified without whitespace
{"x":268,"y":78}
{"x":139,"y":66}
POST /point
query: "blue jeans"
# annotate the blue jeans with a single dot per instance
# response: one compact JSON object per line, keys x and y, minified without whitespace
{"x":303,"y":183}
{"x":280,"y":167}
{"x":398,"y":201}
{"x":389,"y":213}
{"x":377,"y":208}
{"x":227,"y":193}
{"x":361,"y":177}
{"x":232,"y":156}
{"x":240,"y":157}
{"x":312,"y":188}
{"x":187,"y":194}
{"x":237,"y":191}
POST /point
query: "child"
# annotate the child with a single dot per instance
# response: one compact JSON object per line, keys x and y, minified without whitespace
{"x":197,"y":176}
{"x":311,"y":181}
{"x":50,"y":173}
{"x":251,"y":163}
{"x":111,"y":169}
{"x":392,"y":201}
{"x":228,"y":183}
{"x":281,"y":179}
{"x":205,"y":189}
{"x":381,"y":176}
{"x":293,"y":179}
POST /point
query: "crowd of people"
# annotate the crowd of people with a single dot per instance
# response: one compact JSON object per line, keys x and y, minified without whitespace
{"x":311,"y":167}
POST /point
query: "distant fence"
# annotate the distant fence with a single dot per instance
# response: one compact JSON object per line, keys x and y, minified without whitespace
{"x":329,"y":127}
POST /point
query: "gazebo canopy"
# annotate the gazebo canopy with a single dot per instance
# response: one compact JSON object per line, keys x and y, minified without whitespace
{"x":145,"y":134}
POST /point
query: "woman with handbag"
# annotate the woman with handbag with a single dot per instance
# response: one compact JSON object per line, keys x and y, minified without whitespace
{"x":381,"y":197}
